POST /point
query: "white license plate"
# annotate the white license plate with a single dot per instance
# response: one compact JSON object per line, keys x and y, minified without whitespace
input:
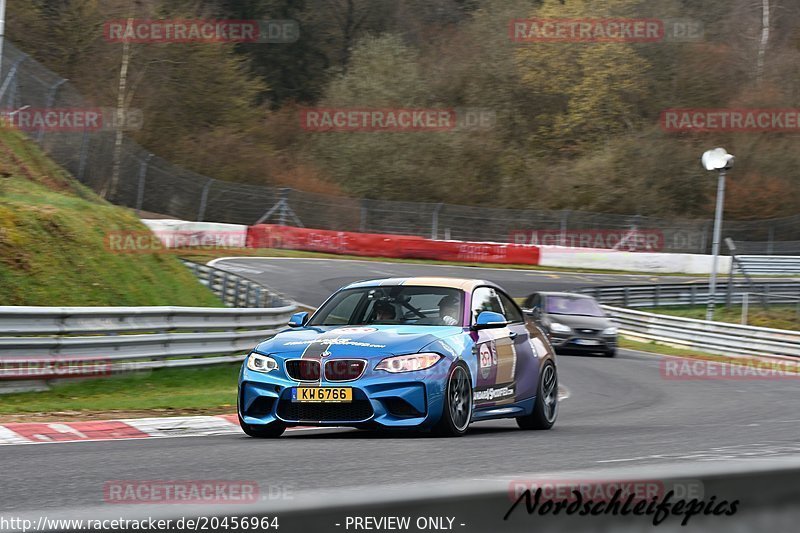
{"x":587,"y":342}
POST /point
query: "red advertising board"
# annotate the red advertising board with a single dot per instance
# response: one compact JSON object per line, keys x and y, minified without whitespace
{"x":393,"y":246}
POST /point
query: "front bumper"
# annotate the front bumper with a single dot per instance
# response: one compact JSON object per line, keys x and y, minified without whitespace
{"x":583,"y":343}
{"x":408,"y":400}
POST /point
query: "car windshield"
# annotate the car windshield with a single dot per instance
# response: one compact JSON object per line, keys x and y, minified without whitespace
{"x":399,"y":304}
{"x":567,"y":305}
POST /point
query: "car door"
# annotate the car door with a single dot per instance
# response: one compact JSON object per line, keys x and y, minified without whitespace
{"x":529,"y":346}
{"x":496,"y":352}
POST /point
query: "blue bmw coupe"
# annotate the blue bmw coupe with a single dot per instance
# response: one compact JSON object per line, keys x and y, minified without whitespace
{"x":432,"y":354}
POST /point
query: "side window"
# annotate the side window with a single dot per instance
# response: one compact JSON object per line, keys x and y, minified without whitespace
{"x":485,"y":299}
{"x":342,"y":314}
{"x":512,"y":312}
{"x":534,"y":301}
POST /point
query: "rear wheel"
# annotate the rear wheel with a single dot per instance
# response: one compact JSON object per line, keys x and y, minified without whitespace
{"x":545,"y":410}
{"x":266,"y":431}
{"x":457,"y":410}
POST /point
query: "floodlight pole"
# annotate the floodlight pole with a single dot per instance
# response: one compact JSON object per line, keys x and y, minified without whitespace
{"x":2,"y":34}
{"x":712,"y":289}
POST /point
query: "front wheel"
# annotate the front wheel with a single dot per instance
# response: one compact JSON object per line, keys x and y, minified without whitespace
{"x":545,"y":410}
{"x":267,"y":431}
{"x":457,"y":410}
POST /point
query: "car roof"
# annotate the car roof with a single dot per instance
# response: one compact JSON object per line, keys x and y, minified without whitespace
{"x":566,"y":294}
{"x":463,"y":284}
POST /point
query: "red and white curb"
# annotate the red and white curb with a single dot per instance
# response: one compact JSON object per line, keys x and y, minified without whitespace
{"x":135,"y":428}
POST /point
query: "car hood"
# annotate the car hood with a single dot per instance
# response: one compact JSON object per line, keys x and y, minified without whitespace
{"x":581,"y":322}
{"x":351,"y":341}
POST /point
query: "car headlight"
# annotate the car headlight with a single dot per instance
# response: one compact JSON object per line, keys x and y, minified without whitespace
{"x":555,"y":327}
{"x":610,"y":331}
{"x":408,"y":363}
{"x":261,"y":363}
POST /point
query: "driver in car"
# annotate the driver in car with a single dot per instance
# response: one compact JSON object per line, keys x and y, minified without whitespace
{"x":448,"y":310}
{"x":384,"y":311}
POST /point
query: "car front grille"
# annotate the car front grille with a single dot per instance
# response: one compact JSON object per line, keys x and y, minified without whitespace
{"x":344,"y":369}
{"x":355,"y":411}
{"x":303,"y":369}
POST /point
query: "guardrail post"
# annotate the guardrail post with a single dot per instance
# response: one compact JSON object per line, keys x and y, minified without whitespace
{"x":626,"y":297}
{"x":693,"y":295}
{"x":657,"y":296}
{"x":224,"y":287}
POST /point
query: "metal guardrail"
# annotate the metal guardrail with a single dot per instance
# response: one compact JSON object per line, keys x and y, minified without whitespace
{"x":713,"y":337}
{"x":234,"y":290}
{"x":667,"y":295}
{"x":164,"y":332}
{"x":707,"y":336}
{"x":768,"y":264}
{"x":118,"y":339}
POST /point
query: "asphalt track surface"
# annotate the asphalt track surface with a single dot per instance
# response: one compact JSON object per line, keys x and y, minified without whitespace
{"x":620,"y":412}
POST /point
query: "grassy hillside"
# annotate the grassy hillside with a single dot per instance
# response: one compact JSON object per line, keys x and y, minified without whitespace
{"x":52,"y":242}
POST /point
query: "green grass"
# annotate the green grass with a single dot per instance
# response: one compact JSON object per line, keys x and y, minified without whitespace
{"x":777,"y":316}
{"x":199,"y":389}
{"x":661,"y":349}
{"x":53,"y":248}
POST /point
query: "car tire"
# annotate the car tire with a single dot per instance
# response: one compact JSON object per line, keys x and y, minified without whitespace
{"x":267,"y":431}
{"x":545,"y":409}
{"x":457,"y":405}
{"x":611,"y":353}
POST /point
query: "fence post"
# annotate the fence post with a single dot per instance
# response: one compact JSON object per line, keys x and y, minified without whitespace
{"x":435,"y":221}
{"x":364,"y":213}
{"x":771,"y":240}
{"x":204,"y":200}
{"x":284,"y":204}
{"x":11,"y":77}
{"x":51,"y":99}
{"x":84,"y":154}
{"x":564,"y":224}
{"x":142,"y":177}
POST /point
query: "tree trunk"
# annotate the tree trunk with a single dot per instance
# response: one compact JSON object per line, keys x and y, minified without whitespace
{"x":764,"y":41}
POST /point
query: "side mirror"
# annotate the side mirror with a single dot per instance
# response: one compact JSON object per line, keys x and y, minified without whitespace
{"x":490,"y":320}
{"x":298,"y":320}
